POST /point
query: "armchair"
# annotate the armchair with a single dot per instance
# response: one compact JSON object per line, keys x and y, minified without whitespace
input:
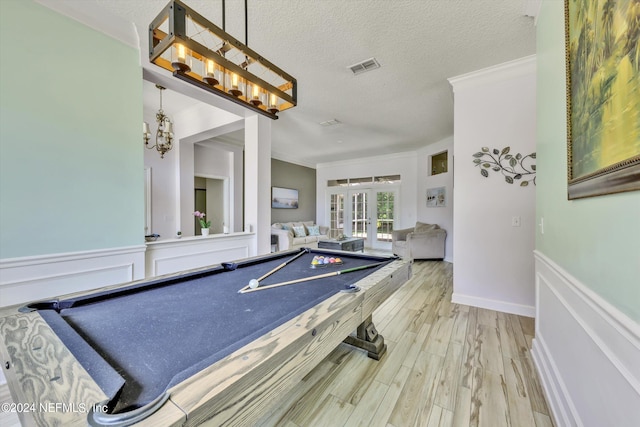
{"x":424,"y":241}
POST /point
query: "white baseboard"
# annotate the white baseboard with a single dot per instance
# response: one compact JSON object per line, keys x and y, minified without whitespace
{"x":37,"y":277}
{"x":554,"y":389}
{"x":586,"y":351}
{"x":490,"y":304}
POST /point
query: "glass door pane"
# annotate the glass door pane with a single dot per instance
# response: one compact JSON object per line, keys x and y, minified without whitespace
{"x":359,"y":214}
{"x":336,"y":215}
{"x":385,"y":204}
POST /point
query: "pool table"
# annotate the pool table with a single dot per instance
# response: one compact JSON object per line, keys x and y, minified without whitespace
{"x":189,"y":348}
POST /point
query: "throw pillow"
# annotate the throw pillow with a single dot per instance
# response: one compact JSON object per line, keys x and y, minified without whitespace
{"x":422,"y":227}
{"x":299,"y":231}
{"x":314,"y":230}
{"x":285,"y":227}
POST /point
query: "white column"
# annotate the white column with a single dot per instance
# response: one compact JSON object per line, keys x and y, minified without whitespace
{"x":257,"y":173}
{"x":185,"y":196}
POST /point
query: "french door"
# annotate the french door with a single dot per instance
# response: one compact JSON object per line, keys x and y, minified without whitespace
{"x":366,"y":213}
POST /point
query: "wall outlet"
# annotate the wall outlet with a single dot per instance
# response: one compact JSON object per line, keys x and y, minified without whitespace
{"x":515,"y":221}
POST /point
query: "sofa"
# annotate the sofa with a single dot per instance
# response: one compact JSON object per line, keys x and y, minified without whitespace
{"x":298,"y":234}
{"x":424,"y":241}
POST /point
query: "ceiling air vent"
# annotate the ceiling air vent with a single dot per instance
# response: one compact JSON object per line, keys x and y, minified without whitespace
{"x":331,"y":122}
{"x":364,"y":66}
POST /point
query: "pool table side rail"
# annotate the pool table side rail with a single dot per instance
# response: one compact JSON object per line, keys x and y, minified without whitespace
{"x":43,"y":374}
{"x":242,"y":387}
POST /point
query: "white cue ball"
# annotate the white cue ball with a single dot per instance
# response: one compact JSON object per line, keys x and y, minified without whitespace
{"x":253,"y":283}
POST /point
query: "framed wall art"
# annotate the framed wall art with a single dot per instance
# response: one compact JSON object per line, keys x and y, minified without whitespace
{"x":284,"y":198}
{"x":603,"y":97}
{"x":436,"y":197}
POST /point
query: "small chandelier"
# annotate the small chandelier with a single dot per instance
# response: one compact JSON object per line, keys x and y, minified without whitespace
{"x":164,"y":135}
{"x":198,"y":52}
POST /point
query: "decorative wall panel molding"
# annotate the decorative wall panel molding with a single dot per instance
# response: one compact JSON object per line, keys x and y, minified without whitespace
{"x":586,"y":352}
{"x":37,"y":277}
{"x":170,"y":256}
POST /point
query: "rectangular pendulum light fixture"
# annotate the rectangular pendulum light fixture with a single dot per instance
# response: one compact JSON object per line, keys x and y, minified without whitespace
{"x":199,"y":52}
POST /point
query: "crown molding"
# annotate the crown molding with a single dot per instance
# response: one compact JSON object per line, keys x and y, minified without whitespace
{"x":496,"y":73}
{"x":532,"y":8}
{"x":93,"y":16}
{"x":383,"y":157}
{"x":287,"y":158}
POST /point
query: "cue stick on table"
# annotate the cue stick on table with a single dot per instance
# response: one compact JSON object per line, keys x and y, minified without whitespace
{"x":306,"y":279}
{"x":264,"y":276}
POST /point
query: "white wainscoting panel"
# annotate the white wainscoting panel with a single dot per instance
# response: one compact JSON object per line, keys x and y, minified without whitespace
{"x":586,"y":351}
{"x":170,"y":256}
{"x":38,"y":277}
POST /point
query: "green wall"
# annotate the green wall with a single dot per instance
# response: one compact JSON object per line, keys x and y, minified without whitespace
{"x":71,"y":168}
{"x":301,"y":178}
{"x":597,"y":240}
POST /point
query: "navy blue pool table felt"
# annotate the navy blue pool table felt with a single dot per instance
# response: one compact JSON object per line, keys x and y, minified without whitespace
{"x":270,"y":272}
{"x":316,"y":277}
{"x":154,"y":335}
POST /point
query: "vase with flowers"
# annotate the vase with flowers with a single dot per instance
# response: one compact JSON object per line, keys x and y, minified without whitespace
{"x":204,"y":225}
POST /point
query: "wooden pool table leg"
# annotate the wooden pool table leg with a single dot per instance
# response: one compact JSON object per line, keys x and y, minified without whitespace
{"x":367,"y":338}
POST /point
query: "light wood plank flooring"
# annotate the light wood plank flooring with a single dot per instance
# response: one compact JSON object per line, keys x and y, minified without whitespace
{"x":447,"y":365}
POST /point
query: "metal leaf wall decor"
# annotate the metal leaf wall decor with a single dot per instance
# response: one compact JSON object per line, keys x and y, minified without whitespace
{"x":516,"y":168}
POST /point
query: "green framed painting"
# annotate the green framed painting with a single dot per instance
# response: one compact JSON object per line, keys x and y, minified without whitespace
{"x":603,"y":96}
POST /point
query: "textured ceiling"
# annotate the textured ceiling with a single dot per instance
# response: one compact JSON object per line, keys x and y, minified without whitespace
{"x":405,"y":104}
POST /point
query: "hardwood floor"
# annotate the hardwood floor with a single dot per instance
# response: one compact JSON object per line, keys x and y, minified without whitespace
{"x":446,"y":365}
{"x":7,"y":419}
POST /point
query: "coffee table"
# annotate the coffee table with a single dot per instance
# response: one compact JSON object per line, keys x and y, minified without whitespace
{"x":352,"y":244}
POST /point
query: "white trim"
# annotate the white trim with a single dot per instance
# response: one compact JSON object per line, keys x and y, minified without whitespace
{"x":496,"y":73}
{"x":96,"y":18}
{"x":170,"y":256}
{"x":554,"y":388}
{"x":286,"y":157}
{"x":43,"y":276}
{"x":491,"y":304}
{"x":609,"y":319}
{"x":367,"y":160}
{"x":126,"y":267}
{"x":176,"y":263}
{"x":607,"y":341}
{"x":532,"y":8}
{"x":196,"y":240}
{"x":67,"y":256}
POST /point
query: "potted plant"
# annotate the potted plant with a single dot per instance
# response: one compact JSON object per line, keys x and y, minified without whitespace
{"x":204,"y":225}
